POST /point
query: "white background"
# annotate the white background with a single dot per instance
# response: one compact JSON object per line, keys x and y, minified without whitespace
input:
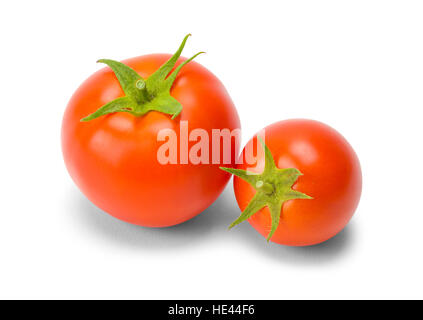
{"x":355,"y":65}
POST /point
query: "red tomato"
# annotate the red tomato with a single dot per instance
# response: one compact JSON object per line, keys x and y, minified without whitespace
{"x":330,"y":183}
{"x":113,"y":158}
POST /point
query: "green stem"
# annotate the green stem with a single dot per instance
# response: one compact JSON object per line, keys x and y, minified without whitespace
{"x":273,"y":188}
{"x":144,"y":95}
{"x":266,"y":187}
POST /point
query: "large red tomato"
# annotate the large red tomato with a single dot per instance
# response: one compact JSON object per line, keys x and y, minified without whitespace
{"x":310,"y":186}
{"x":113,"y":157}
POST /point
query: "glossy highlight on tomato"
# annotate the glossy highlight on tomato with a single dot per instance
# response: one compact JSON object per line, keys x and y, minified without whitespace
{"x":327,"y":182}
{"x":112,"y":158}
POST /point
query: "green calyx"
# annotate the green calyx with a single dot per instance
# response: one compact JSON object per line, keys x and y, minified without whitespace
{"x":144,"y":95}
{"x":273,"y":187}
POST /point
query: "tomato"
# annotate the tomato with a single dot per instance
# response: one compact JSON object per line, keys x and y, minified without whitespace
{"x":113,"y":157}
{"x":312,"y":191}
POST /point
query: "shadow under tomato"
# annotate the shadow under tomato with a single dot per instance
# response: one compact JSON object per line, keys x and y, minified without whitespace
{"x":209,"y":227}
{"x":208,"y":224}
{"x":328,"y":251}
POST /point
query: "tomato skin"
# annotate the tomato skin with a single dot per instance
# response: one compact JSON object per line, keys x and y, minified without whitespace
{"x":331,"y":175}
{"x":113,"y":159}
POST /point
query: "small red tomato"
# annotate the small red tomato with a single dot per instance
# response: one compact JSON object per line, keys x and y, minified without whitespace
{"x":112,"y":154}
{"x":304,"y":188}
